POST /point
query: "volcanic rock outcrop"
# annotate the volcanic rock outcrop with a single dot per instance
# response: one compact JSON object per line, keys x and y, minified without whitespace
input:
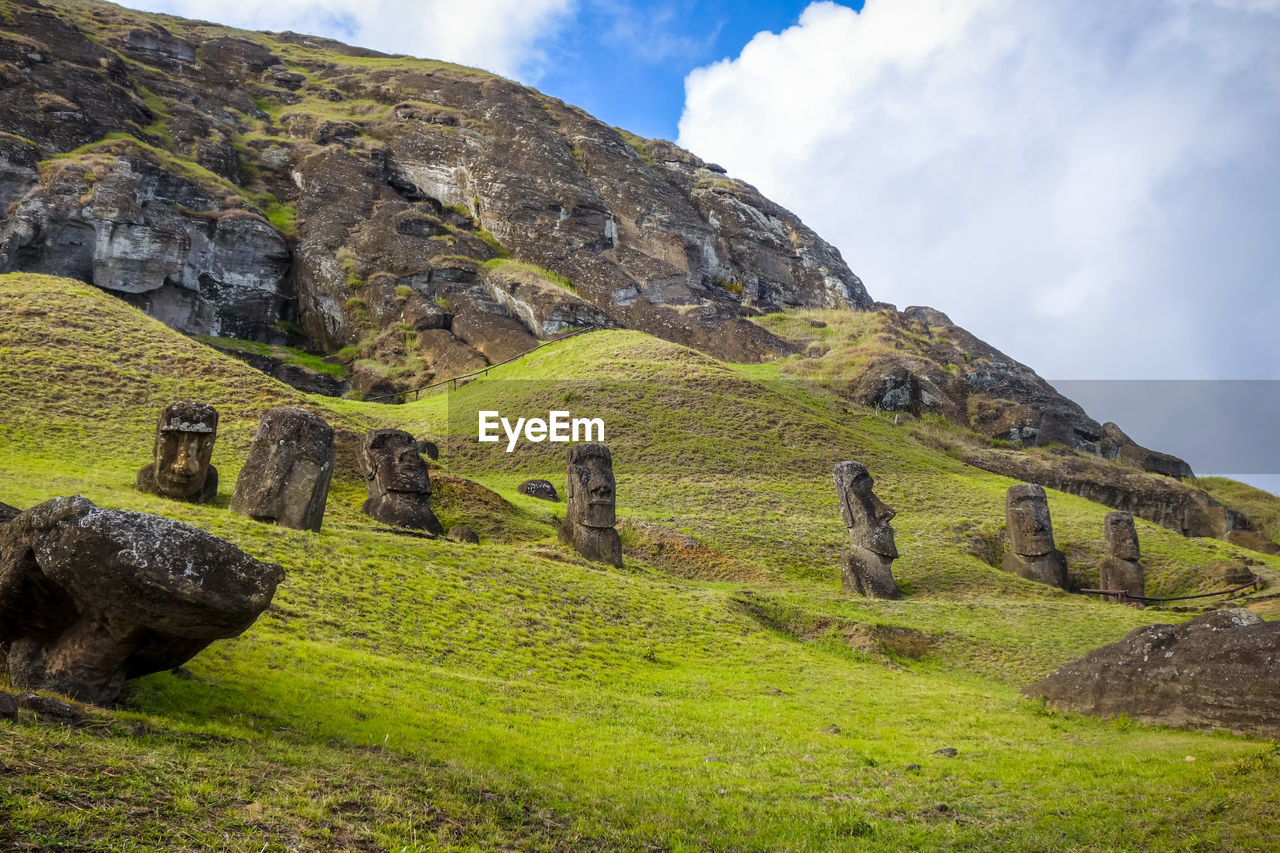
{"x":180,"y":467}
{"x":1122,"y":569}
{"x":591,"y":505}
{"x":1029,"y":528}
{"x":868,"y":567}
{"x":398,"y":481}
{"x":235,"y":183}
{"x":285,"y":479}
{"x":90,"y":597}
{"x":1220,"y":670}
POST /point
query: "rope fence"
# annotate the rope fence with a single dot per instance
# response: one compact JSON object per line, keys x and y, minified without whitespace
{"x":1123,"y":596}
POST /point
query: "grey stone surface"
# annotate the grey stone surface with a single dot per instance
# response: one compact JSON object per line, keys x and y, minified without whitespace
{"x":398,"y":481}
{"x":868,"y":567}
{"x":1220,"y":670}
{"x":1029,"y":530}
{"x":285,"y":479}
{"x":591,"y":499}
{"x":90,"y":597}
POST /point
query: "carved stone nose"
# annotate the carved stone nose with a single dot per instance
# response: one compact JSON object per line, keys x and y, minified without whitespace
{"x":186,"y":461}
{"x":883,"y":513}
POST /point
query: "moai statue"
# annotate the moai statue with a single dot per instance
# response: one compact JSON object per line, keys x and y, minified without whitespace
{"x":184,"y":444}
{"x":589,"y":520}
{"x":1031,"y":554}
{"x":285,"y":480}
{"x":868,"y":568}
{"x":398,"y":481}
{"x":1121,"y":569}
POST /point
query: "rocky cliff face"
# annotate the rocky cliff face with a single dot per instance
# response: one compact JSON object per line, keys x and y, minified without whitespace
{"x":246,"y":184}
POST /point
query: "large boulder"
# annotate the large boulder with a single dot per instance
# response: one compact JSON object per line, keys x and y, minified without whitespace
{"x":540,"y":489}
{"x":90,"y":597}
{"x":1117,"y":445}
{"x":1220,"y":670}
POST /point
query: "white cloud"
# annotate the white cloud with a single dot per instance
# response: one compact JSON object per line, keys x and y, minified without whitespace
{"x":502,"y":36}
{"x":1091,"y":186}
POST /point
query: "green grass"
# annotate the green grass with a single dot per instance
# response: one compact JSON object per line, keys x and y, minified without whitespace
{"x":408,"y":694}
{"x":122,"y":144}
{"x":288,"y":355}
{"x":1262,"y":507}
{"x":517,"y":268}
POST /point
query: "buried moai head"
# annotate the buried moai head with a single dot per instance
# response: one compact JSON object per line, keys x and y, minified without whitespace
{"x":592,"y":491}
{"x":866,"y":516}
{"x":285,"y":479}
{"x":1031,"y":553}
{"x":591,"y":511}
{"x":398,"y":481}
{"x":90,"y":597}
{"x":180,"y":467}
{"x":1122,"y":537}
{"x":1027,"y":521}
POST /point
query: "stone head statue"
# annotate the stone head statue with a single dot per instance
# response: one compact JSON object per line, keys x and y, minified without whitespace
{"x":592,"y":504}
{"x":398,"y":481}
{"x":866,"y":516}
{"x":180,"y":468}
{"x":1027,"y":520}
{"x":286,"y":478}
{"x":1122,"y":537}
{"x":592,"y":490}
{"x":1031,"y":553}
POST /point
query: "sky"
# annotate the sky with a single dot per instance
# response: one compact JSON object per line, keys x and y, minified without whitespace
{"x":1092,"y":187}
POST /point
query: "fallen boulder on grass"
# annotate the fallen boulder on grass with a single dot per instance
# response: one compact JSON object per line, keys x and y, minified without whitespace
{"x":91,"y":597}
{"x":1220,"y":670}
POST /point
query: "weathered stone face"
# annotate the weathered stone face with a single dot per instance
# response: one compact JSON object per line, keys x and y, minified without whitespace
{"x":1220,"y":670}
{"x":866,"y":516}
{"x":592,"y":490}
{"x":90,"y":597}
{"x":1027,"y":520}
{"x":868,"y":567}
{"x":398,"y":481}
{"x":181,"y":469}
{"x":591,"y":512}
{"x":1122,"y":537}
{"x":1031,"y":553}
{"x":1121,"y":569}
{"x":286,"y":477}
{"x":1128,"y":575}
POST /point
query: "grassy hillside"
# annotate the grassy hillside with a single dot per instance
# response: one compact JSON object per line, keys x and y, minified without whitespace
{"x":407,"y":694}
